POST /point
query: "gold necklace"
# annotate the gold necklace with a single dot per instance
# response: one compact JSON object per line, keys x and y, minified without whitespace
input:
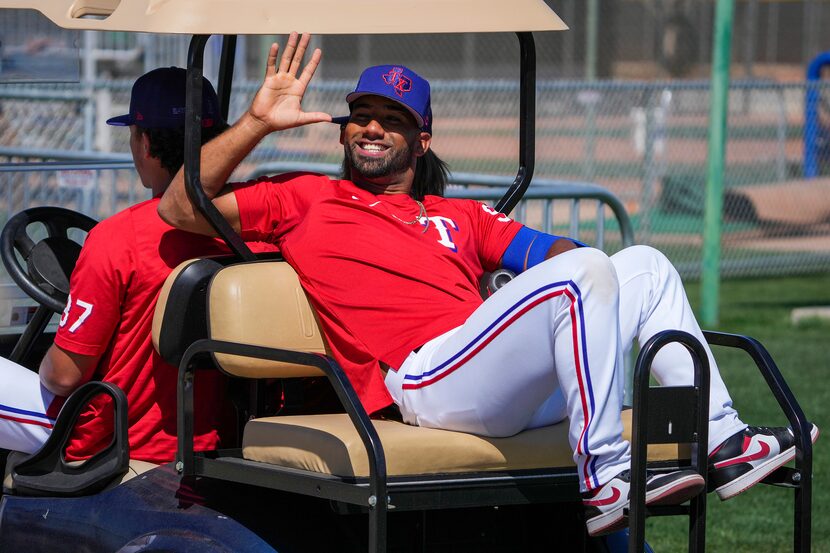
{"x":422,"y":214}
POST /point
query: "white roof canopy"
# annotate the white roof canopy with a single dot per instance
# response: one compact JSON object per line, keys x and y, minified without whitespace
{"x":284,"y":16}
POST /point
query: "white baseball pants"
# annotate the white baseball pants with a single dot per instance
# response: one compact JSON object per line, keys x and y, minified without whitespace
{"x":549,"y":345}
{"x":26,"y":419}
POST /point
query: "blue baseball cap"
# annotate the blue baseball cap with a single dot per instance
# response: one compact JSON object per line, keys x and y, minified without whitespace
{"x":397,"y":83}
{"x":157,"y":101}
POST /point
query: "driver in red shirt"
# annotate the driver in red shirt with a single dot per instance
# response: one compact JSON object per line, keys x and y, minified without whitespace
{"x":105,"y":331}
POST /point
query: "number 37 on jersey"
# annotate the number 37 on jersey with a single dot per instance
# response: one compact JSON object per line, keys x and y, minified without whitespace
{"x":83,"y":311}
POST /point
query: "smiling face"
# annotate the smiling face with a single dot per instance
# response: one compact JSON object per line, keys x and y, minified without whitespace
{"x":382,"y":143}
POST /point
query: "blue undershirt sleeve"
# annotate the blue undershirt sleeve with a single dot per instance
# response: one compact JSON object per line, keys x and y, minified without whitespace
{"x":528,"y":248}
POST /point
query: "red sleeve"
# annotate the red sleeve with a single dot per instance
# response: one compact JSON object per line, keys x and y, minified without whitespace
{"x":97,"y":285}
{"x":494,"y":232}
{"x":271,"y":206}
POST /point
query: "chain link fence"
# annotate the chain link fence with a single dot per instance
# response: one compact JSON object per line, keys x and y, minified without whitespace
{"x":629,"y":113}
{"x":645,"y":142}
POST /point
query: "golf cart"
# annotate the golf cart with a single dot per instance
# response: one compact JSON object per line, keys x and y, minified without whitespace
{"x":332,"y":481}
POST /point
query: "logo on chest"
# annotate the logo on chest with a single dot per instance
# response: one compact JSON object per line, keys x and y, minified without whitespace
{"x":446,"y":228}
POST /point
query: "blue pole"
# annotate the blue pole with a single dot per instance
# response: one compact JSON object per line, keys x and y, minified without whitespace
{"x":811,"y":117}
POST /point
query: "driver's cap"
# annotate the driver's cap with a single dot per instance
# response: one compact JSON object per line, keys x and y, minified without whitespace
{"x":158,"y":101}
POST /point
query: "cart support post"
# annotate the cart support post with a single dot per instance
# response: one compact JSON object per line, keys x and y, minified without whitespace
{"x":527,"y":124}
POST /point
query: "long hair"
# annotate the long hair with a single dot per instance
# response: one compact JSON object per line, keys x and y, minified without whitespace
{"x":431,"y":175}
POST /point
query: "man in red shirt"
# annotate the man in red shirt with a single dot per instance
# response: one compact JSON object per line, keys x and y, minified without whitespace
{"x":105,"y":331}
{"x":392,"y":268}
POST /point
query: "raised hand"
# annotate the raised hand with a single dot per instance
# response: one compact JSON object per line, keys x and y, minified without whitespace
{"x":277,"y":104}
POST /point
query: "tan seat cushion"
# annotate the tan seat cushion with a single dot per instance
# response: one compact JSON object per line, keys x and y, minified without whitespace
{"x":329,"y":444}
{"x":15,"y":457}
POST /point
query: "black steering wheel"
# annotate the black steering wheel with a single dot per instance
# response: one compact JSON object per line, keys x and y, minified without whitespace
{"x":50,"y":261}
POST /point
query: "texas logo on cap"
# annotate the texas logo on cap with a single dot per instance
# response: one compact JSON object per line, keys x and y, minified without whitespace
{"x":400,"y":82}
{"x":397,"y":83}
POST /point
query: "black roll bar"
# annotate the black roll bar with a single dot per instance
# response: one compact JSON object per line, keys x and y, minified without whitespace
{"x":193,"y":148}
{"x":226,"y":62}
{"x":527,"y":124}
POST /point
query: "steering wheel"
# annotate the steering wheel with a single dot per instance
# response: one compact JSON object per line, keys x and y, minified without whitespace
{"x":49,"y":262}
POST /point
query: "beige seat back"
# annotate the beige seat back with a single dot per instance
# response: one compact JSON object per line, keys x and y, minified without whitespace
{"x":263,"y":304}
{"x":161,"y":303}
{"x":180,"y":313}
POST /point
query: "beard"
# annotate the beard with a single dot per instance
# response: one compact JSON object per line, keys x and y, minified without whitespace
{"x":371,"y":167}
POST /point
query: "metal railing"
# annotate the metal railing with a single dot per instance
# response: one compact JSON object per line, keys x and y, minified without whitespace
{"x":88,"y":197}
{"x":96,"y":188}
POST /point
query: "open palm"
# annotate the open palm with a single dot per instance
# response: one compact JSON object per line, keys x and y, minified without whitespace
{"x":278,"y":103}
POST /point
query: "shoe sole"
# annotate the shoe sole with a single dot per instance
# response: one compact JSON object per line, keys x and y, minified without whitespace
{"x":673,"y":493}
{"x":676,"y":492}
{"x":746,"y":481}
{"x":608,"y":523}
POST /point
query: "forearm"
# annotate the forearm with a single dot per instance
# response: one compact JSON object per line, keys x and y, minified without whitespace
{"x":276,"y":106}
{"x":560,"y":246}
{"x":219,"y":158}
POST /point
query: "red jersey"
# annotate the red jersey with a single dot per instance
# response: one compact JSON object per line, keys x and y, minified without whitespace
{"x":113,"y":293}
{"x":381,"y":287}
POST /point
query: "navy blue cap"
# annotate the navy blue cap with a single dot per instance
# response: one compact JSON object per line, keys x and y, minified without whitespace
{"x":158,"y":101}
{"x":397,"y":83}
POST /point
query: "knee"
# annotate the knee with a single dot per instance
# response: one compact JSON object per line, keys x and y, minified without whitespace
{"x":596,"y":269}
{"x":646,"y":258}
{"x":655,"y":258}
{"x":643,"y":253}
{"x":596,"y":261}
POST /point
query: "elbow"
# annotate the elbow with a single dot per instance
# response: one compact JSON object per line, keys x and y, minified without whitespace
{"x":165,"y":213}
{"x":170,"y":213}
{"x":59,"y":385}
{"x":61,"y":372}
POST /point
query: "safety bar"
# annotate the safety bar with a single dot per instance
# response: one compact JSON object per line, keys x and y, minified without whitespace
{"x":802,"y":477}
{"x":376,"y":498}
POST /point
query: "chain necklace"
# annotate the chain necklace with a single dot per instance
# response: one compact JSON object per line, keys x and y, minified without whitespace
{"x":422,"y":214}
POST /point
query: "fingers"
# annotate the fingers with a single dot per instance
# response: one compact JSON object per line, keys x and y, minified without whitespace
{"x":288,"y":53}
{"x":311,"y":67}
{"x":297,"y":60}
{"x":314,"y":117}
{"x":271,"y":63}
{"x":292,"y":56}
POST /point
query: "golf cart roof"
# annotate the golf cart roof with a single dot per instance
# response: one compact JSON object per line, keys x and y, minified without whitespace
{"x":283,"y":16}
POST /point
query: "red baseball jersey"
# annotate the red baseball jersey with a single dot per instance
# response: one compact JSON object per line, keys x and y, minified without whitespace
{"x":113,"y":293}
{"x":381,"y":286}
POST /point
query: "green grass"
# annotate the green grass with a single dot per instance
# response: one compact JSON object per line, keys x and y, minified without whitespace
{"x":760,"y":520}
